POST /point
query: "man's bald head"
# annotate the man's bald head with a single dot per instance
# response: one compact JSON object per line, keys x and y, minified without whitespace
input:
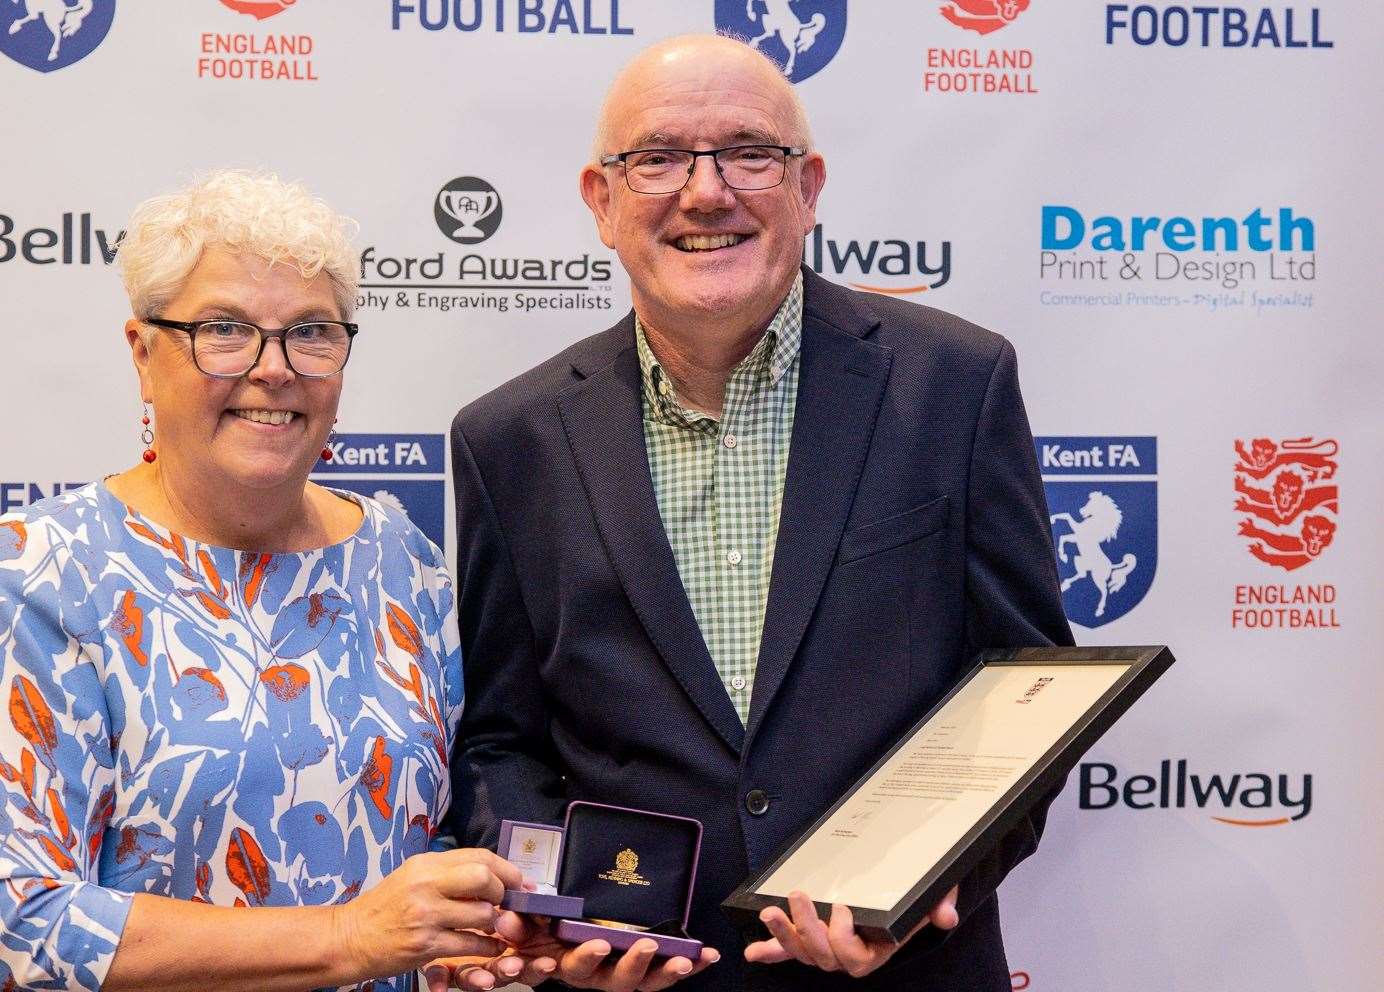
{"x":688,"y":56}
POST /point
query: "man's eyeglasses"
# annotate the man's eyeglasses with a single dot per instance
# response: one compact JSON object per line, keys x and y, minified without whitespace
{"x":228,"y":349}
{"x":667,"y":170}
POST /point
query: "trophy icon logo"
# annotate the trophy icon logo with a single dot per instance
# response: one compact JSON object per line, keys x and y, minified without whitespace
{"x":468,"y":210}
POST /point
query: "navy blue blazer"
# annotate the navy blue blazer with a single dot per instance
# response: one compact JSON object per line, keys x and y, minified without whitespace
{"x":913,"y":534}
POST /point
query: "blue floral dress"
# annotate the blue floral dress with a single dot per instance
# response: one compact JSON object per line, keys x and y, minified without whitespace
{"x":208,"y":724}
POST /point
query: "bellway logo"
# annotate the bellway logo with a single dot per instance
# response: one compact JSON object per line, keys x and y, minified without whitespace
{"x":467,"y":210}
{"x":980,"y":70}
{"x":1264,"y":259}
{"x":53,"y":34}
{"x":802,"y":36}
{"x":76,"y":240}
{"x":404,"y":471}
{"x":911,"y":266}
{"x":1103,"y":494}
{"x":1242,"y":799}
{"x":1214,"y":27}
{"x":1287,"y":494}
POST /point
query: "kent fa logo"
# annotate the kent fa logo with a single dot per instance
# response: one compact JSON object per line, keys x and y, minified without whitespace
{"x":983,"y":16}
{"x":468,"y":210}
{"x":1103,"y":496}
{"x":404,"y":471}
{"x":802,"y":36}
{"x":53,"y":34}
{"x":1291,"y":507}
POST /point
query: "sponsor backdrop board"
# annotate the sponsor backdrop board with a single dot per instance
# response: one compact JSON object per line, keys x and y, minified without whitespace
{"x":1167,"y":207}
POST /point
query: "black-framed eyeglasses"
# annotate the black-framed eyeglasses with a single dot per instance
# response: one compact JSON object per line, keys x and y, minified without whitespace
{"x":667,"y":170}
{"x":228,"y":349}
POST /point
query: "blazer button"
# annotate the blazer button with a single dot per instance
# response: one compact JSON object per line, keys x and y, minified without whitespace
{"x":757,"y":802}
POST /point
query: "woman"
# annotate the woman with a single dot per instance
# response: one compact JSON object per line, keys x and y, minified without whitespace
{"x":227,"y":686}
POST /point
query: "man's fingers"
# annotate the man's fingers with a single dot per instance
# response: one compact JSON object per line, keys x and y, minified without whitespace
{"x":473,"y":978}
{"x":538,"y":970}
{"x":708,"y":957}
{"x":461,"y":944}
{"x":670,"y":972}
{"x":781,"y":929}
{"x":812,"y":932}
{"x":766,"y":952}
{"x":580,"y":963}
{"x":944,"y":915}
{"x":857,"y":957}
{"x":439,"y":977}
{"x":633,"y":965}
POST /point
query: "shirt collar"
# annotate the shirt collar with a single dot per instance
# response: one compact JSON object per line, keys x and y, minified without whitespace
{"x":773,"y":355}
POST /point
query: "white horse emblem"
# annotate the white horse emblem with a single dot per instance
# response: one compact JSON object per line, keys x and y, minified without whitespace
{"x":61,"y":20}
{"x":1100,"y":522}
{"x":778,"y":18}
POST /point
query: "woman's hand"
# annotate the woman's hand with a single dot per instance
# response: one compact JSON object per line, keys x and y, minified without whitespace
{"x":423,"y":910}
{"x":527,"y":965}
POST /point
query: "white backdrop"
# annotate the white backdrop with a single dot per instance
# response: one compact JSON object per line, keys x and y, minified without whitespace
{"x":1094,"y":109}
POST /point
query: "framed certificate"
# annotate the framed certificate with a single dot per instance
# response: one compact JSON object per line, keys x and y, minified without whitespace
{"x":932,"y":808}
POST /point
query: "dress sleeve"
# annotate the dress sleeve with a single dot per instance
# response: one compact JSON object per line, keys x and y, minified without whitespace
{"x":57,"y":777}
{"x":449,"y":655}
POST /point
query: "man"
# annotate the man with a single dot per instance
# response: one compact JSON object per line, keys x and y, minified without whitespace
{"x":714,"y":560}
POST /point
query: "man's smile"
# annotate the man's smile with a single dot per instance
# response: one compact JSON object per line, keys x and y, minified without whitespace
{"x":707,"y":242}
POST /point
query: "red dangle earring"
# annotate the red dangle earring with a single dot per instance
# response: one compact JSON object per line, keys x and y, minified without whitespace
{"x":147,"y":436}
{"x":327,"y":448}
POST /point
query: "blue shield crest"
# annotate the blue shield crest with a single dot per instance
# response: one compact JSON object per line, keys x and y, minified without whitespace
{"x":52,"y":34}
{"x":802,"y":36}
{"x":403,"y":471}
{"x":424,"y":501}
{"x":1103,"y":509}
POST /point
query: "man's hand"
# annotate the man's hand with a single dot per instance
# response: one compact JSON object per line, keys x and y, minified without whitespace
{"x":833,"y":946}
{"x":479,"y":973}
{"x":586,"y":966}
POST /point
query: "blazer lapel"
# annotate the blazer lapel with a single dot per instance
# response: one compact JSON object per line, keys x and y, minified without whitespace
{"x":840,"y":388}
{"x":603,"y":420}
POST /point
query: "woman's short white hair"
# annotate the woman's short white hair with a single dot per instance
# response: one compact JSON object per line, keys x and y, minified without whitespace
{"x":241,"y":211}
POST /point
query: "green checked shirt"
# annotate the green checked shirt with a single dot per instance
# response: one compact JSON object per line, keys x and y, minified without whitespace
{"x":719,"y":487}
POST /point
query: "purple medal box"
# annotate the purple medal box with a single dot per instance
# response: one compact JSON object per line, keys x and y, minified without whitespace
{"x":624,"y":875}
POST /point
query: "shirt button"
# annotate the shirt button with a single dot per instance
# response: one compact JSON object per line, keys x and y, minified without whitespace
{"x":737,"y":682}
{"x":734,"y":557}
{"x":663,"y":388}
{"x":730,"y":441}
{"x":757,"y":802}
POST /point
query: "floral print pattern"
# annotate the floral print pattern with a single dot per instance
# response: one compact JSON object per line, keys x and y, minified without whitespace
{"x":209,"y":724}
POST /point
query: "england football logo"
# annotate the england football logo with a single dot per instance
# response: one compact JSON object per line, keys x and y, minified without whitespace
{"x":259,"y":9}
{"x":983,"y":16}
{"x":1288,"y":497}
{"x":52,"y":34}
{"x":802,"y":36}
{"x":1103,"y":501}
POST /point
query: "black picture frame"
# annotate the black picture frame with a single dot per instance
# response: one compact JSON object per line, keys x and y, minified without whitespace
{"x":1144,"y":665}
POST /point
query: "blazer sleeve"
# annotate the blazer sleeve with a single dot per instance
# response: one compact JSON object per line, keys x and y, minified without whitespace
{"x":1013,"y":598}
{"x":504,"y":765}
